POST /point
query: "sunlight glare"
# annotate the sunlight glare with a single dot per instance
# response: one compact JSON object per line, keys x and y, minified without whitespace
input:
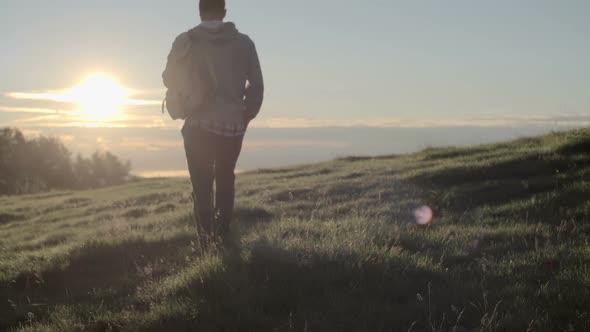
{"x":100,"y":97}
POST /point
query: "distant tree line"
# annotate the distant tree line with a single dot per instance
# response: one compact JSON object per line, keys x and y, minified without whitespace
{"x":44,"y":163}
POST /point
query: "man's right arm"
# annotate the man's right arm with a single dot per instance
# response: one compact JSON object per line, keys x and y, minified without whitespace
{"x":255,"y":88}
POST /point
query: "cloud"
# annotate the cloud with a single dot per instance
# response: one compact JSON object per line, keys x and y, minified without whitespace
{"x":66,"y":96}
{"x":144,"y":143}
{"x":70,"y":119}
{"x":36,"y":110}
{"x":156,"y":93}
{"x":40,"y":123}
{"x":141,"y":113}
{"x":81,"y":106}
{"x":141,"y":143}
{"x":556,"y":121}
{"x":48,"y":96}
{"x":257,"y":144}
{"x":31,"y":133}
{"x":37,"y":119}
{"x":140,"y":118}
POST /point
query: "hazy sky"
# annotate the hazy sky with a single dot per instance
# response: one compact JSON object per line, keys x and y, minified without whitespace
{"x":326,"y":63}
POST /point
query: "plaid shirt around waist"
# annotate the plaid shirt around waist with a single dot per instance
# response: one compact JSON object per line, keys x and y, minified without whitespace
{"x":221,"y":128}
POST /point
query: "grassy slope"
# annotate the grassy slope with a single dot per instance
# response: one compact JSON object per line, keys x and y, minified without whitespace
{"x":331,"y":246}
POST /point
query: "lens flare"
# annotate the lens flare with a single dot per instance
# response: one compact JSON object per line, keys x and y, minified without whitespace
{"x":424,"y":215}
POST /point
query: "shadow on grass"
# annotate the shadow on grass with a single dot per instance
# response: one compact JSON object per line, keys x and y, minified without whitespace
{"x":98,"y":273}
{"x":274,"y":289}
{"x":449,"y":153}
{"x":102,"y":273}
{"x":460,"y":188}
{"x":252,"y":215}
{"x":265,"y":287}
{"x":579,"y":143}
{"x":353,"y":159}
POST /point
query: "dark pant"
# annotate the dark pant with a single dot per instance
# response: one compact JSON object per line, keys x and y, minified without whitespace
{"x":212,"y":157}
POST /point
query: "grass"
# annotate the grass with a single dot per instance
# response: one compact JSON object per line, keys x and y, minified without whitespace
{"x":326,"y":247}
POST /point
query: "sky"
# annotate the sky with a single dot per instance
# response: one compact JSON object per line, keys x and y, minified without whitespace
{"x":367,"y":64}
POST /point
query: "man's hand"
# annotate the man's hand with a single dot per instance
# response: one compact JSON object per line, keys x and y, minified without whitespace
{"x":247,"y":119}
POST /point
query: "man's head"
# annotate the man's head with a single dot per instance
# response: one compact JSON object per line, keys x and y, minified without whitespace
{"x":212,"y":10}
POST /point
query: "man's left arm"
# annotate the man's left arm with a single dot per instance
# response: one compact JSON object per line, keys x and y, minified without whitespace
{"x":255,"y":90}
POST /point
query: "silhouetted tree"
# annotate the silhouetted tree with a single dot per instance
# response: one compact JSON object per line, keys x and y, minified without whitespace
{"x":44,"y":163}
{"x":83,"y":172}
{"x":12,"y":144}
{"x":107,"y":169}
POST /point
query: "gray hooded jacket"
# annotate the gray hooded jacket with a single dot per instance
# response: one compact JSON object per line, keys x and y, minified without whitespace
{"x":235,"y":64}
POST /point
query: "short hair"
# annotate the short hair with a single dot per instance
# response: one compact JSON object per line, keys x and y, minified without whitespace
{"x":211,"y":5}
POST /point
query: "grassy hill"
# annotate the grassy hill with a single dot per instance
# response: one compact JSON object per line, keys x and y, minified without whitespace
{"x":326,"y":247}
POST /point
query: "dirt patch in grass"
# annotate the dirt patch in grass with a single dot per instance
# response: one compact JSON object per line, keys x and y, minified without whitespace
{"x":354,"y":158}
{"x":51,"y":195}
{"x":135,"y":213}
{"x":79,"y":201}
{"x":165,"y":208}
{"x":71,"y":203}
{"x":352,"y":176}
{"x":6,"y":218}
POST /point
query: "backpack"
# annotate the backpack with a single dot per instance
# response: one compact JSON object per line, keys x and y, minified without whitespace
{"x":189,"y":77}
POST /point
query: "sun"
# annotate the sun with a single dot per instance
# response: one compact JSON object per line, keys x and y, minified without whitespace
{"x":99,"y":97}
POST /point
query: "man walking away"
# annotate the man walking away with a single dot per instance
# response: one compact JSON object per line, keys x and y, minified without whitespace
{"x":214,"y":132}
